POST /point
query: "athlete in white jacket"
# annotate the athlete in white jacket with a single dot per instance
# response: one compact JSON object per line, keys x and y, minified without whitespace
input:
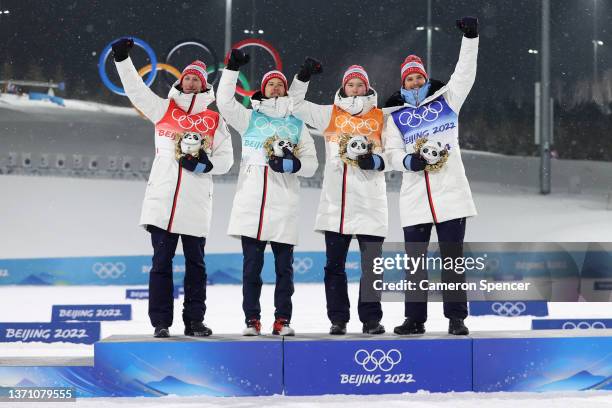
{"x":178,"y":198}
{"x":422,"y":139}
{"x":266,"y":204}
{"x":354,"y":197}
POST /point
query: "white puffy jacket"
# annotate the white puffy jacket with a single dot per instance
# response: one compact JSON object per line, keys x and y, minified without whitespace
{"x":353,"y":201}
{"x":434,"y":197}
{"x":176,"y":199}
{"x":266,"y":204}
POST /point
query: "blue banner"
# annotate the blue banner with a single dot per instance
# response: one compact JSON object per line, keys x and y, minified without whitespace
{"x":82,"y":378}
{"x":134,"y":270}
{"x":591,"y":272}
{"x":143,"y":294}
{"x":90,"y":313}
{"x":363,"y":365}
{"x":231,"y":366}
{"x":570,"y":324}
{"x":509,"y":308}
{"x":536,"y":363}
{"x":84,"y":333}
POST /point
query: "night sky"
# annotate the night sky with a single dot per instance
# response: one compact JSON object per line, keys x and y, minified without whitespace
{"x":64,"y":39}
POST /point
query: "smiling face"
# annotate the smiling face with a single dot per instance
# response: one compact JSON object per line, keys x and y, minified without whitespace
{"x":275,"y":88}
{"x":355,"y":87}
{"x":191,"y":84}
{"x":414,"y":81}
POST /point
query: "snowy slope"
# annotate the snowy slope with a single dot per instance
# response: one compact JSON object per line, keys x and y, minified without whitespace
{"x":24,"y":104}
{"x":58,"y":217}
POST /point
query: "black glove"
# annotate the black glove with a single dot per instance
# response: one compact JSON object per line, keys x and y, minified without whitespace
{"x":197,"y":165}
{"x":309,"y":67}
{"x":415,"y":162}
{"x":121,"y":48}
{"x":370,"y":161}
{"x":287,"y":164}
{"x":469,"y":26}
{"x":237,"y":59}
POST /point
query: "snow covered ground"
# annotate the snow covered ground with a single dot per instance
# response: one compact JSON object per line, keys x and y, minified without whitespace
{"x":224,"y":315}
{"x":25,"y":104}
{"x":60,"y":217}
{"x":583,"y":399}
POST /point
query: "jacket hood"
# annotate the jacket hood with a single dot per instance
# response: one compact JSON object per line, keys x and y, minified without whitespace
{"x":278,"y":107}
{"x":397,"y":100}
{"x":356,"y":105}
{"x":183,"y":100}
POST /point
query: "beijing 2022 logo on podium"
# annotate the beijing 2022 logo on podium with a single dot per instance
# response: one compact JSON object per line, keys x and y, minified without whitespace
{"x":378,"y":367}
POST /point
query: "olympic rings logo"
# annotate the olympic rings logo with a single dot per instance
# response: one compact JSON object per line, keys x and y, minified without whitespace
{"x":104,"y":56}
{"x":257,"y":43}
{"x":186,"y":122}
{"x":428,"y":113}
{"x":213,"y":67}
{"x":354,"y":125}
{"x":302,"y":265}
{"x":273,"y":127}
{"x":108,"y":270}
{"x":583,"y":325}
{"x":378,"y":359}
{"x":508,"y":308}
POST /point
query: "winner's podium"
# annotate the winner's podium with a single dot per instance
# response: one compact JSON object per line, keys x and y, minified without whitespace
{"x":220,"y":365}
{"x":385,"y":364}
{"x":316,"y":364}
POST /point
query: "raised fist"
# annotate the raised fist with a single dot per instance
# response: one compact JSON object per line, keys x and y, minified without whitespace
{"x":237,"y":59}
{"x":121,"y":48}
{"x":469,"y":26}
{"x":310,"y":67}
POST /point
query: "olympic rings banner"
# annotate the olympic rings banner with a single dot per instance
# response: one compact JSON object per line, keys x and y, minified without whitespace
{"x":571,"y":324}
{"x":134,"y":270}
{"x":509,"y":308}
{"x":212,"y":63}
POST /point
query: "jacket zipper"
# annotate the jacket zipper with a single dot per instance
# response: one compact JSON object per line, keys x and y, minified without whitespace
{"x":174,"y":201}
{"x":263,"y":203}
{"x":191,"y":104}
{"x":429,"y":197}
{"x":343,"y":199}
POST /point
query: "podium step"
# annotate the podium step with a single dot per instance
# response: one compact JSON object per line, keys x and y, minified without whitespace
{"x":317,"y":364}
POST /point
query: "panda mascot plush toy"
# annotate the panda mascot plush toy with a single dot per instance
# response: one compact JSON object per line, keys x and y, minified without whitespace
{"x":351,"y":147}
{"x":280,"y":144}
{"x":274,"y":146}
{"x":434,"y":153}
{"x":190,"y":143}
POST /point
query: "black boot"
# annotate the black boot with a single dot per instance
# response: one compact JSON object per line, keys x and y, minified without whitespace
{"x":161,"y":332}
{"x":197,"y":329}
{"x":338,"y":328}
{"x":373,"y":327}
{"x":409,"y":327}
{"x":456,"y":327}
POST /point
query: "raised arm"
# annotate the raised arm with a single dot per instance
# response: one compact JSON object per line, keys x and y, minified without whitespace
{"x":235,"y":113}
{"x":463,"y":77}
{"x":316,"y":116}
{"x":145,"y":100}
